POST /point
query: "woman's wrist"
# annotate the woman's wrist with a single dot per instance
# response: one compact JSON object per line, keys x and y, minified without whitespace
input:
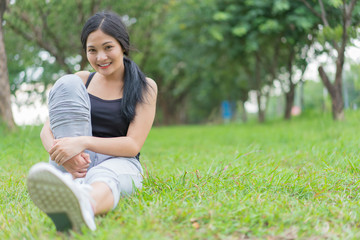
{"x":47,"y":142}
{"x":86,"y":142}
{"x":49,"y":146}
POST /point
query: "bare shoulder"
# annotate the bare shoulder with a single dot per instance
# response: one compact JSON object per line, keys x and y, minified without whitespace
{"x":153,"y":86}
{"x":84,"y":75}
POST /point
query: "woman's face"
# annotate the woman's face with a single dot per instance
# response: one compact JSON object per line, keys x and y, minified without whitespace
{"x":104,"y":53}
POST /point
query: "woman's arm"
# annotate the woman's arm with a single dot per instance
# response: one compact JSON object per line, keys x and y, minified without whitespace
{"x":46,"y":136}
{"x":127,"y":146}
{"x":77,"y":165}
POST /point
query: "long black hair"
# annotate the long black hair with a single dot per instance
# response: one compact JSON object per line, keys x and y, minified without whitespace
{"x":135,"y":84}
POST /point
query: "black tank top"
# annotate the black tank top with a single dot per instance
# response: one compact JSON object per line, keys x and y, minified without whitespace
{"x":106,"y":117}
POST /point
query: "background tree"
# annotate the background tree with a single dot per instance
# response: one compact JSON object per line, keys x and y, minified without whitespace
{"x":189,"y":89}
{"x":251,"y":34}
{"x":199,"y":52}
{"x":52,"y":46}
{"x":296,"y":36}
{"x":46,"y":41}
{"x":5,"y":101}
{"x":337,"y":19}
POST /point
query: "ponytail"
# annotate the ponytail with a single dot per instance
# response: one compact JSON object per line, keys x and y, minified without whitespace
{"x":135,"y":85}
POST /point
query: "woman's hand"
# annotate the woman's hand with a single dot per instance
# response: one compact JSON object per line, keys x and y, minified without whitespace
{"x":66,"y":148}
{"x":78,"y":165}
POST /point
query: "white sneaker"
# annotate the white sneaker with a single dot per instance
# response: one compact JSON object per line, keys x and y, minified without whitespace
{"x":65,"y":201}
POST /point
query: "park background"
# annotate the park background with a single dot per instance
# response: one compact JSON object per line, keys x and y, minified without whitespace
{"x":257,"y":118}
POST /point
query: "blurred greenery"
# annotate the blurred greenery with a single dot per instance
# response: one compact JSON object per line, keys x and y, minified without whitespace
{"x":200,"y":53}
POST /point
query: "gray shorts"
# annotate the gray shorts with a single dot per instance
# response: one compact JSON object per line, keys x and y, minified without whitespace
{"x":69,"y":113}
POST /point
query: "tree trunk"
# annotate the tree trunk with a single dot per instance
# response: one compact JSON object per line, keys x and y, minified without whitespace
{"x":243,"y":112}
{"x":337,"y":103}
{"x":261,"y":111}
{"x":302,"y":102}
{"x":261,"y":116}
{"x":5,"y":102}
{"x":289,"y":97}
{"x":167,"y":115}
{"x":171,"y":109}
{"x":171,"y":114}
{"x":335,"y":91}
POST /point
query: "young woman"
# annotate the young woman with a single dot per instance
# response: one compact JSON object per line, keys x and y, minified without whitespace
{"x":98,"y":123}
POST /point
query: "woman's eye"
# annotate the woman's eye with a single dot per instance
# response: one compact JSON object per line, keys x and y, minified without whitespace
{"x":91,"y":50}
{"x":108,"y":47}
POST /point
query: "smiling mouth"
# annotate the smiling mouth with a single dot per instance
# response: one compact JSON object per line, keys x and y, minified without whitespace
{"x":104,"y":65}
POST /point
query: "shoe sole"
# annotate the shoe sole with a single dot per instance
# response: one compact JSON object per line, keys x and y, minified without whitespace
{"x":55,"y":197}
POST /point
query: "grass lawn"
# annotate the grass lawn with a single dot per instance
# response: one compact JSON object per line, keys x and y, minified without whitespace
{"x":280,"y":180}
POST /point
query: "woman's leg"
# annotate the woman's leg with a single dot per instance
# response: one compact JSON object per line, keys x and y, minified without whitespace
{"x":111,"y":179}
{"x":103,"y":198}
{"x":65,"y":201}
{"x":69,"y":110}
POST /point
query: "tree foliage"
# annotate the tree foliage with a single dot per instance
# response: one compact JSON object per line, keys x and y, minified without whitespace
{"x":199,"y":52}
{"x":338,"y":21}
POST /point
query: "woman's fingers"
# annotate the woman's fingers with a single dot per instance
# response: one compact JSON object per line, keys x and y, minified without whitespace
{"x":83,"y":168}
{"x":63,"y":158}
{"x":64,"y":149}
{"x":78,"y":175}
{"x":54,"y":156}
{"x":53,"y":148}
{"x":86,"y":157}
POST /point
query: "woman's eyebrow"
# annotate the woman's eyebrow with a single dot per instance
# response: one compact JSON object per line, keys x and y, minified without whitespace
{"x":106,"y":43}
{"x":90,"y":46}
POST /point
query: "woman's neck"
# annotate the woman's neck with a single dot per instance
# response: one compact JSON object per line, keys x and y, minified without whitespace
{"x":115,"y":76}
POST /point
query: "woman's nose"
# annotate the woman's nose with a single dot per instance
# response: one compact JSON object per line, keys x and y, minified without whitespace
{"x":101,"y":56}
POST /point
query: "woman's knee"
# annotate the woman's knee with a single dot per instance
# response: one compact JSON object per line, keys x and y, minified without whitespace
{"x":69,"y":107}
{"x":67,"y":85}
{"x":69,"y":80}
